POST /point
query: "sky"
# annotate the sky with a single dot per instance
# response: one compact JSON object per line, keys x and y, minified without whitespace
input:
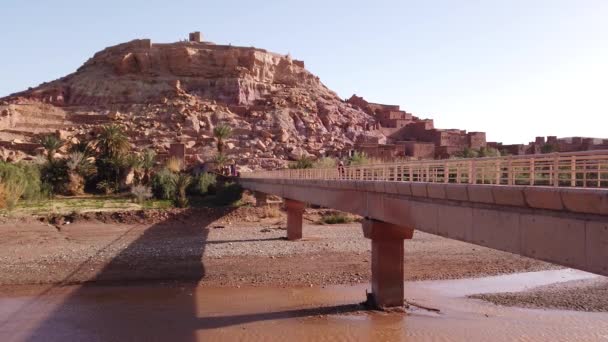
{"x":514,"y":69}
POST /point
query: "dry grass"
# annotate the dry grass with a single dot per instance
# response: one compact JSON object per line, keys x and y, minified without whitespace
{"x":2,"y":196}
{"x":270,"y":211}
{"x":174,"y":164}
{"x":336,"y":218}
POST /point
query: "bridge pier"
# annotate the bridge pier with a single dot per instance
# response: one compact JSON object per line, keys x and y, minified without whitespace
{"x":295,"y":212}
{"x":387,"y":262}
{"x":261,"y":199}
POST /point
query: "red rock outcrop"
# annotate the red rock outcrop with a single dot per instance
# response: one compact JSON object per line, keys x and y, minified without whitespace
{"x":164,"y":93}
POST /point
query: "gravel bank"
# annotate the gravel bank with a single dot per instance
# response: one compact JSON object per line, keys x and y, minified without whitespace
{"x":222,"y":247}
{"x":581,"y":295}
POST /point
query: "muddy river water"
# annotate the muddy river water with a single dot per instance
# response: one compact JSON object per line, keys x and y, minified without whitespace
{"x":190,"y":313}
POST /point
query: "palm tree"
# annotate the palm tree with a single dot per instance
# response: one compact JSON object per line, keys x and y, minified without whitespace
{"x":221,"y":160}
{"x":182,"y":181}
{"x":83,"y":147}
{"x":112,"y":145}
{"x":78,"y":169}
{"x":51,"y":144}
{"x":112,"y":142}
{"x":147,"y":163}
{"x":221,"y":133}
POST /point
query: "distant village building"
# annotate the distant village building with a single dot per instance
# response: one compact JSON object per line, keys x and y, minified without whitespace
{"x":411,"y":137}
{"x":194,"y":37}
{"x":552,"y":144}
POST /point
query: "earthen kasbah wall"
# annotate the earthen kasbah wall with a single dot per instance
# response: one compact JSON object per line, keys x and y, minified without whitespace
{"x":412,"y":137}
{"x":405,"y":127}
{"x":551,"y":144}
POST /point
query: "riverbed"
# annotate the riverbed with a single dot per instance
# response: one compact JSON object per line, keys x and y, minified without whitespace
{"x":172,"y":312}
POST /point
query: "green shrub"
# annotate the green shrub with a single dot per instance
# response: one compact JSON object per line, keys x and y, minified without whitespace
{"x":325,"y":163}
{"x":141,"y":193}
{"x":488,"y":152}
{"x":302,"y":163}
{"x":336,"y":218}
{"x":202,"y":184}
{"x":228,"y":194}
{"x":54,"y":176}
{"x":107,"y":187}
{"x":482,"y":152}
{"x":14,"y":183}
{"x":33,"y":189}
{"x":2,"y":196}
{"x":19,"y":181}
{"x":549,"y":148}
{"x":163,"y":184}
{"x":358,"y":158}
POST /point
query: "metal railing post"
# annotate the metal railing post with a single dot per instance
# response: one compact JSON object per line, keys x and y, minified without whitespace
{"x":573,"y":171}
{"x":532,"y":171}
{"x":472,"y":179}
{"x":510,"y":172}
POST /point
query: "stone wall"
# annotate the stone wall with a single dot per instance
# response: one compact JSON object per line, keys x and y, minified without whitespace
{"x":477,"y":140}
{"x":418,"y":150}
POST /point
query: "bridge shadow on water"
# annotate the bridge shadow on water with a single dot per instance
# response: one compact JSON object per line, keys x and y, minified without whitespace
{"x":226,"y":321}
{"x":148,"y":291}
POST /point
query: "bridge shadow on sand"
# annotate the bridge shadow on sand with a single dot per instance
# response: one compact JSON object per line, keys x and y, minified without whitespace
{"x":148,"y":292}
{"x":160,"y":270}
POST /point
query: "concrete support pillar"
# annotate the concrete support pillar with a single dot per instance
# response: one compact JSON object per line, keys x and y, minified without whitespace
{"x":261,"y":199}
{"x":387,"y":261}
{"x":295,"y":211}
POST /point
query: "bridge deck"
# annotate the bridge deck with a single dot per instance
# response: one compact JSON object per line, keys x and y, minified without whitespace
{"x":587,"y":169}
{"x":562,"y":225}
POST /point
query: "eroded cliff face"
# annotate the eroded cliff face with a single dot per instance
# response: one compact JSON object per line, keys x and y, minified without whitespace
{"x":138,"y":72}
{"x":164,"y":93}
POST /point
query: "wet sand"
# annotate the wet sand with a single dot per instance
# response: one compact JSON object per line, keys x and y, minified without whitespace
{"x":331,"y":313}
{"x":582,"y":295}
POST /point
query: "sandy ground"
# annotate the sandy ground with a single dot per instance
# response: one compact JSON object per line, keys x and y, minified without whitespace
{"x":581,"y":295}
{"x":224,"y":248}
{"x":232,"y":247}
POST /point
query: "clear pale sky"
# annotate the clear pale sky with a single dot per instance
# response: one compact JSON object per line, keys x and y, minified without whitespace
{"x":512,"y":68}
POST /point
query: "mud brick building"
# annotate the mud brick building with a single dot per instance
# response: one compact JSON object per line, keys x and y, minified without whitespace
{"x":411,"y":137}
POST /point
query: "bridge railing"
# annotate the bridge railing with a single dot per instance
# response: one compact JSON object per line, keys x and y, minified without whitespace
{"x":587,"y":169}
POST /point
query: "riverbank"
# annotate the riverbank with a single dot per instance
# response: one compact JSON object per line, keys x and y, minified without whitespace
{"x":244,"y":247}
{"x":582,"y":295}
{"x":222,"y":247}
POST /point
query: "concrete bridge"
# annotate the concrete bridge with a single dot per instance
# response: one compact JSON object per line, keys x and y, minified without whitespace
{"x":550,"y":207}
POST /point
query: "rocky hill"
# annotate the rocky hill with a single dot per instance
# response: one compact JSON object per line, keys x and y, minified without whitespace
{"x":167,"y":93}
